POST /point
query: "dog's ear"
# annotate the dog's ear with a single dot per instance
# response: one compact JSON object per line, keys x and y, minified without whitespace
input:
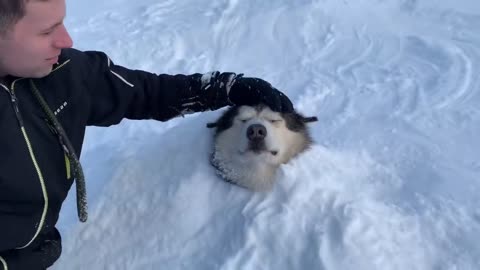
{"x":310,"y":119}
{"x":212,"y":125}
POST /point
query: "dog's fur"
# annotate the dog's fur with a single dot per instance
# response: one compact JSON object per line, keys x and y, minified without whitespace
{"x":250,"y":143}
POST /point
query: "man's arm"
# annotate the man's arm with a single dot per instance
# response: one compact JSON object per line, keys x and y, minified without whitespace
{"x":117,"y":92}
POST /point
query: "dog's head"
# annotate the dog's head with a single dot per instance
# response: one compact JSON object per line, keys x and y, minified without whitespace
{"x":254,"y":140}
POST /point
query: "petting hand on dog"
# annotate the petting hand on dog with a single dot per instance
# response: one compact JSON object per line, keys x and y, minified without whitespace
{"x":238,"y":90}
{"x":252,"y":91}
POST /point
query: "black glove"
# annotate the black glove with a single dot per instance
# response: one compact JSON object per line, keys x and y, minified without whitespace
{"x":227,"y":88}
{"x":253,"y":91}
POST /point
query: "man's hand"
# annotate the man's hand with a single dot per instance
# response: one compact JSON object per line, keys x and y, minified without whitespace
{"x":253,"y":91}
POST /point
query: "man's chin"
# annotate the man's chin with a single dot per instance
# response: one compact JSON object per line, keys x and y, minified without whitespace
{"x":41,"y":73}
{"x":34,"y":74}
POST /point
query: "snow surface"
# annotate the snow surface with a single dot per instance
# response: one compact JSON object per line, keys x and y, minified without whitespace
{"x":393,"y":181}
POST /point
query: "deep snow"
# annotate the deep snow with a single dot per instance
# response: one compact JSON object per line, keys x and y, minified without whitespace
{"x":393,"y":181}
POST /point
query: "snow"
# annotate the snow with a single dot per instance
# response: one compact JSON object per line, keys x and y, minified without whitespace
{"x":392,"y":182}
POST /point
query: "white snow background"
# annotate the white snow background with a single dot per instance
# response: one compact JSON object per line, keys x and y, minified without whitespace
{"x":392,"y":182}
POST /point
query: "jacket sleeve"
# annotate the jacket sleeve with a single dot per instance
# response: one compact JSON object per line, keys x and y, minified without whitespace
{"x":116,"y":92}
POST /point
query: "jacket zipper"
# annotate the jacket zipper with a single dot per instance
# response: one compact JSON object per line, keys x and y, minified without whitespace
{"x":14,"y":101}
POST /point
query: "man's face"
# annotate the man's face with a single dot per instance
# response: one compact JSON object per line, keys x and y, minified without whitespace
{"x":33,"y":44}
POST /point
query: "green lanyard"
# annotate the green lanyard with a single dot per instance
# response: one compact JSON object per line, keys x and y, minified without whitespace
{"x":71,"y":158}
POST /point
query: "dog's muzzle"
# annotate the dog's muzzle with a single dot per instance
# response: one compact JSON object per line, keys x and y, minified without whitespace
{"x":256,"y":134}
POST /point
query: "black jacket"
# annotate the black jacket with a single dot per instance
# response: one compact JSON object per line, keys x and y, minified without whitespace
{"x":84,"y":88}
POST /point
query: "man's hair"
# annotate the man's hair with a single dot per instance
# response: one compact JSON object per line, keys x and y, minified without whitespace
{"x":11,"y":11}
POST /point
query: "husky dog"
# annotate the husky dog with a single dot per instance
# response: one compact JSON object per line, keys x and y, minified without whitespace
{"x":251,"y":142}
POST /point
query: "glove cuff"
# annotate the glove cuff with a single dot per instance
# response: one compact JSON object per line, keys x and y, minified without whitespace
{"x":216,"y":87}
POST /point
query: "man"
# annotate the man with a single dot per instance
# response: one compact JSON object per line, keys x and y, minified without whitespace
{"x":49,"y":93}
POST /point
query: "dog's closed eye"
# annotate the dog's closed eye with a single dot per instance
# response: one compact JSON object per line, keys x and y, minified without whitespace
{"x":310,"y":119}
{"x":274,"y":120}
{"x":305,"y":120}
{"x":212,"y":125}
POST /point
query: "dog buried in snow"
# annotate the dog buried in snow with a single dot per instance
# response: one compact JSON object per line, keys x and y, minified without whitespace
{"x":251,"y":142}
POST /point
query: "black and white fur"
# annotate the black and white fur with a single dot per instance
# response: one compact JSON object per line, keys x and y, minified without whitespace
{"x":251,"y":142}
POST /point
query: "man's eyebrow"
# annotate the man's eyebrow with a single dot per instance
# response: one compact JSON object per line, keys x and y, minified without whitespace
{"x":53,"y":26}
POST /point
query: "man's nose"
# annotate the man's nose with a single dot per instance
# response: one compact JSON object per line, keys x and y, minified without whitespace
{"x":63,"y":39}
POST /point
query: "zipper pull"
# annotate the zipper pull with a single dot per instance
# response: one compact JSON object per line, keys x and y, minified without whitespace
{"x":13,"y":97}
{"x":14,"y":100}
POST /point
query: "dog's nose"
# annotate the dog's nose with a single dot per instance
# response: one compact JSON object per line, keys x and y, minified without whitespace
{"x":256,"y":132}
